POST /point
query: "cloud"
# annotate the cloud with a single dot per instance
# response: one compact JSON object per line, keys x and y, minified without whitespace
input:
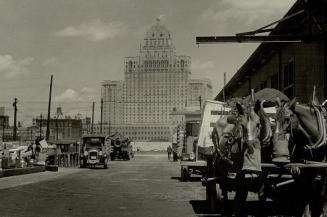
{"x":94,"y":30}
{"x":235,"y":15}
{"x":199,"y":65}
{"x":11,"y":68}
{"x":71,"y":95}
{"x":68,"y":96}
{"x":87,"y":90}
{"x":50,"y":61}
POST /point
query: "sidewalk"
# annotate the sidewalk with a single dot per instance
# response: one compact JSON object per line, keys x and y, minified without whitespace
{"x":13,"y":181}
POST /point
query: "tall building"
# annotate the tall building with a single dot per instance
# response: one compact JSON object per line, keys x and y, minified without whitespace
{"x":199,"y":90}
{"x":111,"y":93}
{"x":155,"y":84}
{"x":156,"y":80}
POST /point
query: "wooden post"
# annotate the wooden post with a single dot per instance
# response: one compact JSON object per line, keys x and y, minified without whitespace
{"x":92,"y":118}
{"x":224,"y":96}
{"x":101,"y":111}
{"x":15,"y":119}
{"x":49,"y":110}
{"x":41,"y":126}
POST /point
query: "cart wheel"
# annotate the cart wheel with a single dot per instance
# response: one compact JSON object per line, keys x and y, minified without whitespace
{"x":213,"y":197}
{"x":184,"y":175}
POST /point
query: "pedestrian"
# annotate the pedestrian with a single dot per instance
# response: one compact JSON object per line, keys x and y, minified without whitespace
{"x":169,"y":151}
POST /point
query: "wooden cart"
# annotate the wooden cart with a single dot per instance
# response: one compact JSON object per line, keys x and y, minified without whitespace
{"x":276,"y":177}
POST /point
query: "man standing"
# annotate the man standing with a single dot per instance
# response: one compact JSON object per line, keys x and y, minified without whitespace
{"x":169,"y":151}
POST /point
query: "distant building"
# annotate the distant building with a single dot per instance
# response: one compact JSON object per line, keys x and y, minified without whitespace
{"x":156,"y":80}
{"x":198,"y":91}
{"x":2,"y":111}
{"x":86,"y":125}
{"x":4,"y":119}
{"x":112,"y":96}
{"x":156,"y":83}
{"x":61,"y":127}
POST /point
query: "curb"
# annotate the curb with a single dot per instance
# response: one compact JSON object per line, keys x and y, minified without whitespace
{"x":21,"y":171}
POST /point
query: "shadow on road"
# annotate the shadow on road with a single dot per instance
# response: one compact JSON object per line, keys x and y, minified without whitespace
{"x":176,"y":178}
{"x":191,"y":179}
{"x":253,"y":208}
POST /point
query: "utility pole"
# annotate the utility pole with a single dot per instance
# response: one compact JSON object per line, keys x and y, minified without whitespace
{"x":224,"y":96}
{"x":101,"y":111}
{"x":41,"y":126}
{"x":15,"y":119}
{"x":49,"y":109}
{"x":92,"y":118}
{"x":3,"y":128}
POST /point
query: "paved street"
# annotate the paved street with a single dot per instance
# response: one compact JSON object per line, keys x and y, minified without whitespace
{"x":147,"y":185}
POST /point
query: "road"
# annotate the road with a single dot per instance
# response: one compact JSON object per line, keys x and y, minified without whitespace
{"x":146,"y":186}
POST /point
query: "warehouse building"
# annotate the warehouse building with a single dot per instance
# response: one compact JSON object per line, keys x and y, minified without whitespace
{"x":292,"y":67}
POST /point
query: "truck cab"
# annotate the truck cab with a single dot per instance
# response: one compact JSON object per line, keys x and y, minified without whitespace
{"x":93,"y":151}
{"x":190,"y":141}
{"x":198,"y":146}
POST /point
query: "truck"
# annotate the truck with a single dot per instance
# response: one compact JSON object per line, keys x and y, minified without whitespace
{"x":93,"y":150}
{"x":197,"y":143}
{"x":120,"y":147}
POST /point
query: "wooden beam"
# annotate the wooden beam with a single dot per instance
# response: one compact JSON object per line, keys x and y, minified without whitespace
{"x":254,"y":39}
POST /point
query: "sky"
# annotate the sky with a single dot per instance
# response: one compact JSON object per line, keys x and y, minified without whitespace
{"x":83,"y":42}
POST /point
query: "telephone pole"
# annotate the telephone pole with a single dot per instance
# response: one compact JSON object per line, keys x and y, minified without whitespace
{"x":3,"y":129}
{"x":101,"y":111}
{"x":92,"y":118}
{"x":15,"y":119}
{"x":41,"y":126}
{"x":224,"y":97}
{"x":49,"y":109}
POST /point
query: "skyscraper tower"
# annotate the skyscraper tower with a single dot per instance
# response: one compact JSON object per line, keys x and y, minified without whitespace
{"x":156,"y":80}
{"x":155,"y":84}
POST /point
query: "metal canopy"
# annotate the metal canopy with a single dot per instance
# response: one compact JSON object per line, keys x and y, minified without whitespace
{"x":251,"y":36}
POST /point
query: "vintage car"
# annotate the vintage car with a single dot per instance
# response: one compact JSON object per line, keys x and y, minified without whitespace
{"x":93,"y":151}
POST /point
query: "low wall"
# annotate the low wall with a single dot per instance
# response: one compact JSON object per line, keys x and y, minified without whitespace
{"x":21,"y":171}
{"x":150,"y":146}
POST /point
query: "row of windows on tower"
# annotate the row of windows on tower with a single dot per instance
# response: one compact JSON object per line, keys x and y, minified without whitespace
{"x":157,"y":42}
{"x":157,"y":63}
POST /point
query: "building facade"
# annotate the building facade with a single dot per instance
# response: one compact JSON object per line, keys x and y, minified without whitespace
{"x":156,"y":82}
{"x":292,"y":68}
{"x":112,"y":95}
{"x":198,"y":90}
{"x":61,"y":127}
